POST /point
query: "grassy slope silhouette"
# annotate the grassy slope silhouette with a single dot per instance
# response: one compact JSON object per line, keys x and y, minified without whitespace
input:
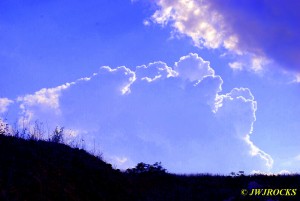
{"x":40,"y":170}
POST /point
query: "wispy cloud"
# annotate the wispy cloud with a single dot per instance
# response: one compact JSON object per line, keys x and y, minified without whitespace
{"x":4,"y":103}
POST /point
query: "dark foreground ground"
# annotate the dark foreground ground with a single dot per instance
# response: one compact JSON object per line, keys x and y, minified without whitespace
{"x":41,"y":171}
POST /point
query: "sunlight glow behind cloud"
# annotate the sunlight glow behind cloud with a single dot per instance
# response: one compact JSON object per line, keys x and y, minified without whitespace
{"x":178,"y":114}
{"x":251,"y":38}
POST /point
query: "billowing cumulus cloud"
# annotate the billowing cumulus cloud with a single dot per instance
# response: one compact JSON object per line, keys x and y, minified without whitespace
{"x":195,"y":19}
{"x":193,"y":68}
{"x":44,"y":101}
{"x":174,"y":114}
{"x":258,"y":32}
{"x":154,"y":71}
{"x":239,"y":107}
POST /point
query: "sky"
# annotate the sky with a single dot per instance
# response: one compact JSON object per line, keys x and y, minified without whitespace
{"x":202,"y":86}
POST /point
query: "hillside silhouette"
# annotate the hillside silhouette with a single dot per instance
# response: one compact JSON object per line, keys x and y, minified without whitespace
{"x":37,"y":170}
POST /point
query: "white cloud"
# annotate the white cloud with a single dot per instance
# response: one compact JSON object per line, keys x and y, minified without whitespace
{"x":120,"y":162}
{"x":176,"y":115}
{"x":297,"y":78}
{"x":43,"y":100}
{"x":193,"y":68}
{"x":243,"y":93}
{"x":47,"y":97}
{"x":281,"y":172}
{"x":169,"y":113}
{"x":146,"y":22}
{"x":206,"y":26}
{"x":154,"y":71}
{"x":195,"y":19}
{"x":236,"y":65}
{"x":43,"y":103}
{"x":284,"y":172}
{"x":233,"y":26}
{"x":121,"y":72}
{"x":240,"y":107}
{"x":4,"y":103}
{"x":297,"y":158}
{"x":255,"y":151}
{"x":258,"y":62}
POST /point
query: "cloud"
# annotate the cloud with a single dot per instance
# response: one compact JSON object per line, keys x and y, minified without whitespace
{"x":174,"y":114}
{"x":297,"y":78}
{"x":43,"y":104}
{"x":154,"y":71}
{"x":297,"y":158}
{"x":236,"y":65}
{"x":119,"y":161}
{"x":193,"y":68}
{"x":281,"y":172}
{"x":239,"y":108}
{"x":120,"y":72}
{"x":250,"y":20}
{"x":4,"y":103}
{"x":195,"y":19}
{"x":45,"y":100}
{"x":256,"y":32}
{"x":47,"y":97}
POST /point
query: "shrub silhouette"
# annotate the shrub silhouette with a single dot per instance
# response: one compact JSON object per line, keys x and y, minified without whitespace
{"x":146,"y":168}
{"x":4,"y":128}
{"x":58,"y":135}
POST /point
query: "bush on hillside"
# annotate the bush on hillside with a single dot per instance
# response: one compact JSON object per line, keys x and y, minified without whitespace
{"x":147,"y":168}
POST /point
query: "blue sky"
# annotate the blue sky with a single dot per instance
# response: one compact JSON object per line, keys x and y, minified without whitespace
{"x":201,"y":86}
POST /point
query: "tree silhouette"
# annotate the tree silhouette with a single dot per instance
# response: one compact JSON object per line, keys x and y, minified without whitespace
{"x":147,"y":168}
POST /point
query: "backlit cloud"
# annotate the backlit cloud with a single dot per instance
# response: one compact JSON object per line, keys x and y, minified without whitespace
{"x":256,"y":32}
{"x":193,"y":68}
{"x":239,"y":108}
{"x":44,"y":101}
{"x":177,"y":113}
